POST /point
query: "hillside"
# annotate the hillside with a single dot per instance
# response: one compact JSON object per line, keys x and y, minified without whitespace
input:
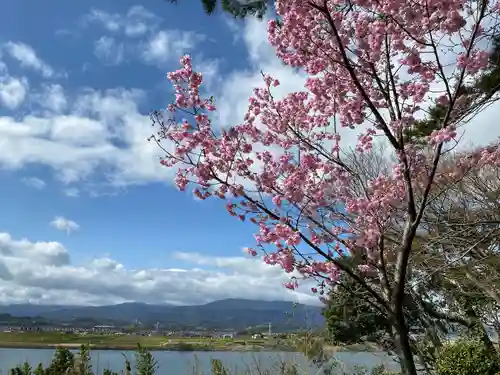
{"x":229,"y":313}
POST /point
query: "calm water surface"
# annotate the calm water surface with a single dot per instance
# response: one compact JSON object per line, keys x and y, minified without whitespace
{"x":181,"y":363}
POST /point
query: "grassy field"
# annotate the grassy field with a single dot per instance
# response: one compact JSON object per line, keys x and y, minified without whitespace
{"x":97,"y":341}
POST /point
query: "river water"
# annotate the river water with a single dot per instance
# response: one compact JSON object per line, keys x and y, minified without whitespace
{"x":181,"y":363}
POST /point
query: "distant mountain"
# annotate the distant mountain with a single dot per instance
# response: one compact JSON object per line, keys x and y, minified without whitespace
{"x":26,"y":309}
{"x":229,"y":313}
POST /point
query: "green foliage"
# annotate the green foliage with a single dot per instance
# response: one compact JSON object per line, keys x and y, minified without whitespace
{"x":467,"y":357}
{"x":62,"y":362}
{"x":335,"y":368}
{"x":145,"y":363}
{"x":39,"y":370}
{"x":24,"y":369}
{"x":218,"y":368}
{"x":184,"y":347}
{"x":83,"y":364}
{"x":481,"y":90}
{"x":313,"y":348}
{"x":381,"y":370}
{"x":256,"y":8}
{"x":349,"y":313}
{"x":351,"y":319}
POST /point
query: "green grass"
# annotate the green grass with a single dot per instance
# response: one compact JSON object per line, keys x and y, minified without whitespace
{"x":52,"y":339}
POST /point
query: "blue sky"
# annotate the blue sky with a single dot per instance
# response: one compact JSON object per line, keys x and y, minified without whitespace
{"x":89,"y":216}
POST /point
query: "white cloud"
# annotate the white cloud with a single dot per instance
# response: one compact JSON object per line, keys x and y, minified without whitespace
{"x":136,"y":22}
{"x":34,"y":182}
{"x":111,"y":22}
{"x":103,"y":134}
{"x":109,"y":51}
{"x":168,"y":45}
{"x":42,"y":272}
{"x":72,"y":192}
{"x":139,"y":21}
{"x":13,"y":91}
{"x":52,"y":98}
{"x":151,"y":45}
{"x":64,"y":224}
{"x":41,"y":253}
{"x":80,"y":143}
{"x":136,"y":29}
{"x":28,"y":58}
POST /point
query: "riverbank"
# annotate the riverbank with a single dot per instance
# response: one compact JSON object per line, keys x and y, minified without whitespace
{"x":362,"y":348}
{"x":52,"y":340}
{"x":197,"y":347}
{"x":40,"y":340}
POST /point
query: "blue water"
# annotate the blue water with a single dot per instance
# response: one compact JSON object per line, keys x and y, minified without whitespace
{"x":180,"y":363}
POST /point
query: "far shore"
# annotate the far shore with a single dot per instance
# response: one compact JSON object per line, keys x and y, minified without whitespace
{"x":193,"y":348}
{"x":54,"y":340}
{"x":177,"y":348}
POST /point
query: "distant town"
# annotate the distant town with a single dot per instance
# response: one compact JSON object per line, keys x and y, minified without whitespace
{"x":245,"y":317}
{"x":137,"y":330}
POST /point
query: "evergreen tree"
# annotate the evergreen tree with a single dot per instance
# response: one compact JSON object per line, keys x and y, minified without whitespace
{"x":351,"y":314}
{"x":237,"y":8}
{"x":145,"y":363}
{"x":62,"y":362}
{"x":475,"y":96}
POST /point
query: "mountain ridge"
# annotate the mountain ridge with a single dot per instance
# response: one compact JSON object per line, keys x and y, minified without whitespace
{"x":228,"y":313}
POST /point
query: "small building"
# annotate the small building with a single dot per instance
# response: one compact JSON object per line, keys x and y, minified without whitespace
{"x":105,"y":329}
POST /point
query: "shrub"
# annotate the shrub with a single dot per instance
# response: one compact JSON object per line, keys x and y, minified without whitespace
{"x":381,"y":370}
{"x":218,"y":368}
{"x":184,"y":347}
{"x":145,"y":363}
{"x":467,"y":357}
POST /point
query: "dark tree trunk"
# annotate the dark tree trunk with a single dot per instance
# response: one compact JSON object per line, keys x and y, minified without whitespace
{"x":402,"y":343}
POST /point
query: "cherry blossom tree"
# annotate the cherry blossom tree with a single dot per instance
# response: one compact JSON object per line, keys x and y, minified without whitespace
{"x":375,"y":68}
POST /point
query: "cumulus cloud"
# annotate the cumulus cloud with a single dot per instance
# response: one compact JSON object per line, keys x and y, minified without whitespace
{"x":144,"y":38}
{"x":139,"y":20}
{"x":168,"y":45}
{"x":13,"y":91}
{"x":42,"y":272}
{"x":34,"y":182}
{"x":82,"y":142}
{"x":64,"y":224}
{"x":102,"y":133}
{"x":52,"y":98}
{"x":28,"y":58}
